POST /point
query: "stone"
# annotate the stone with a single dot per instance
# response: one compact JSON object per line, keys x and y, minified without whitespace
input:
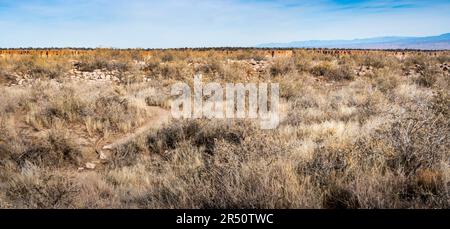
{"x":103,"y":156}
{"x":90,"y":165}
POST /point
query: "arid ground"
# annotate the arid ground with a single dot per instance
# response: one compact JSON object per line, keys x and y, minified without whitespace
{"x":93,"y":129}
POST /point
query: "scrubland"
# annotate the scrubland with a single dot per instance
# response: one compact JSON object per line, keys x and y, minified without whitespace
{"x":362,"y":130}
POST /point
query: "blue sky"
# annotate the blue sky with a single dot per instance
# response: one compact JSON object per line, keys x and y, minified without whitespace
{"x":206,"y":23}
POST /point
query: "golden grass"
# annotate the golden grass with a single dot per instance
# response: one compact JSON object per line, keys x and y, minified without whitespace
{"x":366,"y":130}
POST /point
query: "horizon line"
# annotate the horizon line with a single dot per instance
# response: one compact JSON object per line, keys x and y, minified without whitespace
{"x":220,"y":48}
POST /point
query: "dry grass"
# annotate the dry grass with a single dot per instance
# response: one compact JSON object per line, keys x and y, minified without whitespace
{"x":360,"y":131}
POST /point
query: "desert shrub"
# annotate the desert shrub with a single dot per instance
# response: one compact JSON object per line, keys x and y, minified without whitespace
{"x":130,"y":77}
{"x":167,"y":57}
{"x":136,"y":54}
{"x":58,"y":103}
{"x":418,"y":143}
{"x":66,"y":105}
{"x":43,"y":190}
{"x":343,"y":72}
{"x":92,"y":63}
{"x":321,"y":69}
{"x":121,"y":66}
{"x":6,"y":77}
{"x":37,"y":68}
{"x":258,"y":57}
{"x":340,"y":198}
{"x":427,"y":76}
{"x":281,"y":66}
{"x":126,"y":155}
{"x":424,"y":188}
{"x":63,"y":103}
{"x":207,"y":138}
{"x":322,"y":57}
{"x":58,"y":149}
{"x":413,"y":60}
{"x":250,"y":55}
{"x":373,"y":60}
{"x":294,"y":85}
{"x":233,"y":72}
{"x":151,"y":65}
{"x":325,"y":166}
{"x":169,"y":70}
{"x":198,"y":135}
{"x":302,"y":61}
{"x":441,"y":103}
{"x":114,"y":113}
{"x":213,"y":65}
{"x":369,"y":106}
{"x":38,"y":72}
{"x":165,"y":139}
{"x":385,"y":81}
{"x":430,"y":181}
{"x":426,"y":80}
{"x":159,"y":101}
{"x":302,"y":65}
{"x":443,"y":59}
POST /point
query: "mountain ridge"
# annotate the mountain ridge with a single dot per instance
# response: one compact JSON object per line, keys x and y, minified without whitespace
{"x":388,"y":42}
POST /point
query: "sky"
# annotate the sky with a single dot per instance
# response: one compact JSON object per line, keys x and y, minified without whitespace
{"x":211,"y":23}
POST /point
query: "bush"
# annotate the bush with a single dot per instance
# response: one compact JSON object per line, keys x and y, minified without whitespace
{"x":321,"y":69}
{"x":414,"y":60}
{"x":281,"y":66}
{"x":126,"y":155}
{"x":90,"y":64}
{"x":427,"y":76}
{"x":69,"y":107}
{"x":6,"y":77}
{"x":419,"y":144}
{"x":167,"y":57}
{"x":343,"y":72}
{"x":41,"y":69}
{"x":375,"y":61}
{"x":340,"y":198}
{"x":55,"y":151}
{"x":385,"y":81}
{"x":42,"y":191}
{"x":203,"y":137}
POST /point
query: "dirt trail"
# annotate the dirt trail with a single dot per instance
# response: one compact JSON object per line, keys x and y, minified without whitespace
{"x":161,"y":117}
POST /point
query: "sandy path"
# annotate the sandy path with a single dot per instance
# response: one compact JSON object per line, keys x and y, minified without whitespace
{"x":161,"y":117}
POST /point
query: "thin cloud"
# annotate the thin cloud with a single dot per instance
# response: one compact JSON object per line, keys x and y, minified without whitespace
{"x":197,"y":23}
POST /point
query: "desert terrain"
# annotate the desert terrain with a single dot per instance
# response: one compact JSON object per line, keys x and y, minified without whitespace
{"x":92,"y":128}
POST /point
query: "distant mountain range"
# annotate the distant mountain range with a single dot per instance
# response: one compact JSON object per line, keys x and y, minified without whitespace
{"x":425,"y":43}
